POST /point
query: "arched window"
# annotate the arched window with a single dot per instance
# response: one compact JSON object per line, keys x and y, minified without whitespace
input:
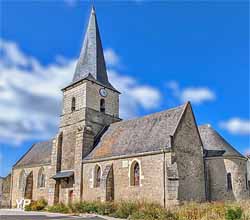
{"x":97,"y":176}
{"x":135,"y":174}
{"x":73,"y":104}
{"x":229,"y":182}
{"x":41,"y":178}
{"x":59,"y":152}
{"x":22,"y":180}
{"x":102,"y":105}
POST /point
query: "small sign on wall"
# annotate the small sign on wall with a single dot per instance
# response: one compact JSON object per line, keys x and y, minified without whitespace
{"x":124,"y":163}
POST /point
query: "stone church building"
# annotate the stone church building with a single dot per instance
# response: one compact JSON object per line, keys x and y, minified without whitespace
{"x":162,"y":157}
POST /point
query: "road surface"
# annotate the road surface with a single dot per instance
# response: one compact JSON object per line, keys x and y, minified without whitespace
{"x":13,"y":214}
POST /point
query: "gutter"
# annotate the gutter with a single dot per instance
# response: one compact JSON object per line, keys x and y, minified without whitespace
{"x":226,"y":157}
{"x":85,"y":161}
{"x":31,"y":166}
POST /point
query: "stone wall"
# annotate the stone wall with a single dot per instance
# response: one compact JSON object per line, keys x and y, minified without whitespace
{"x":37,"y":193}
{"x":248,"y":169}
{"x":68,"y":147}
{"x":217,"y":169}
{"x":87,"y":96}
{"x":151,"y":184}
{"x":5,"y":191}
{"x":111,"y":100}
{"x":188,"y":156}
{"x":79,"y":127}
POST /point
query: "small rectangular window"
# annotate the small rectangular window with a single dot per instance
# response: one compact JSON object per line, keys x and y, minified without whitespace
{"x":73,"y":104}
{"x":102,"y":105}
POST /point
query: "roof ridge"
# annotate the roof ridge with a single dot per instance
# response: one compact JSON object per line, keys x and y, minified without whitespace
{"x":181,"y":116}
{"x":150,"y":115}
{"x":24,"y":155}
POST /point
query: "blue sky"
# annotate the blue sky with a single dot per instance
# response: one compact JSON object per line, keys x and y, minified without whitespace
{"x":159,"y":55}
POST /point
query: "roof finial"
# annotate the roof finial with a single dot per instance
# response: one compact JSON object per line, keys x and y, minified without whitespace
{"x":92,"y":8}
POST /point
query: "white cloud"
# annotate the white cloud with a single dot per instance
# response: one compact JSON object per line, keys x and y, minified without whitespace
{"x":30,"y":95}
{"x":236,"y":126}
{"x":196,"y":95}
{"x":147,"y":96}
{"x":111,"y":57}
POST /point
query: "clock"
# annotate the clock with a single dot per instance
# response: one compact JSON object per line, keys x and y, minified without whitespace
{"x":103,"y":92}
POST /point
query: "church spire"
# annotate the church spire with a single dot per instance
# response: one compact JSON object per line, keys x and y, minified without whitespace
{"x":91,"y":62}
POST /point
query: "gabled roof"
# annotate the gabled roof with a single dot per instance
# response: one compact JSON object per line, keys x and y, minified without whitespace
{"x":91,"y":60}
{"x":145,"y":134}
{"x":38,"y":154}
{"x":212,"y":140}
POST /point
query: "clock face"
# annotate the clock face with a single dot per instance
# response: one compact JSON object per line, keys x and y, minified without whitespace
{"x":103,"y":92}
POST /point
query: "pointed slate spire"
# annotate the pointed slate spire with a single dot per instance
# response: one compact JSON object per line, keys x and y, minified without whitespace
{"x":91,"y":62}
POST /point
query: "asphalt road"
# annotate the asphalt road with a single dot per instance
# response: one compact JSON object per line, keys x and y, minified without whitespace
{"x":21,"y":215}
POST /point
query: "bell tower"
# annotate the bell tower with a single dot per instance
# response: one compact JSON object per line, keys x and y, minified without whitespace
{"x":90,"y":104}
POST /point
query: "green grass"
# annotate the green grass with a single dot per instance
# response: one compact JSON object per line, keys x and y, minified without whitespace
{"x":152,"y":211}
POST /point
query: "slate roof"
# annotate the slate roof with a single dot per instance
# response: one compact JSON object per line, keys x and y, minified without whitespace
{"x":212,"y":140}
{"x":91,"y":60}
{"x":39,"y":153}
{"x":145,"y":134}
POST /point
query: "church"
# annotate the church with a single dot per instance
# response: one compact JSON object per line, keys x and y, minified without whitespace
{"x":163,"y":157}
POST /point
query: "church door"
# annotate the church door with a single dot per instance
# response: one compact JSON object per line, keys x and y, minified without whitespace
{"x":57,"y":192}
{"x":110,"y":185}
{"x":29,"y":186}
{"x":70,"y":196}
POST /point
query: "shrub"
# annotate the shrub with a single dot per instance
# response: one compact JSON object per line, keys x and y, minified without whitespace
{"x":93,"y":207}
{"x":105,"y":208}
{"x":150,"y":211}
{"x":125,"y":209}
{"x":60,"y":208}
{"x":84,"y":207}
{"x":234,"y":213}
{"x":36,"y":205}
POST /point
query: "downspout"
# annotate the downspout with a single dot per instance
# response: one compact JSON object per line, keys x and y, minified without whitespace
{"x":164,"y":169}
{"x":164,"y":179}
{"x":205,"y":175}
{"x":81,"y":185}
